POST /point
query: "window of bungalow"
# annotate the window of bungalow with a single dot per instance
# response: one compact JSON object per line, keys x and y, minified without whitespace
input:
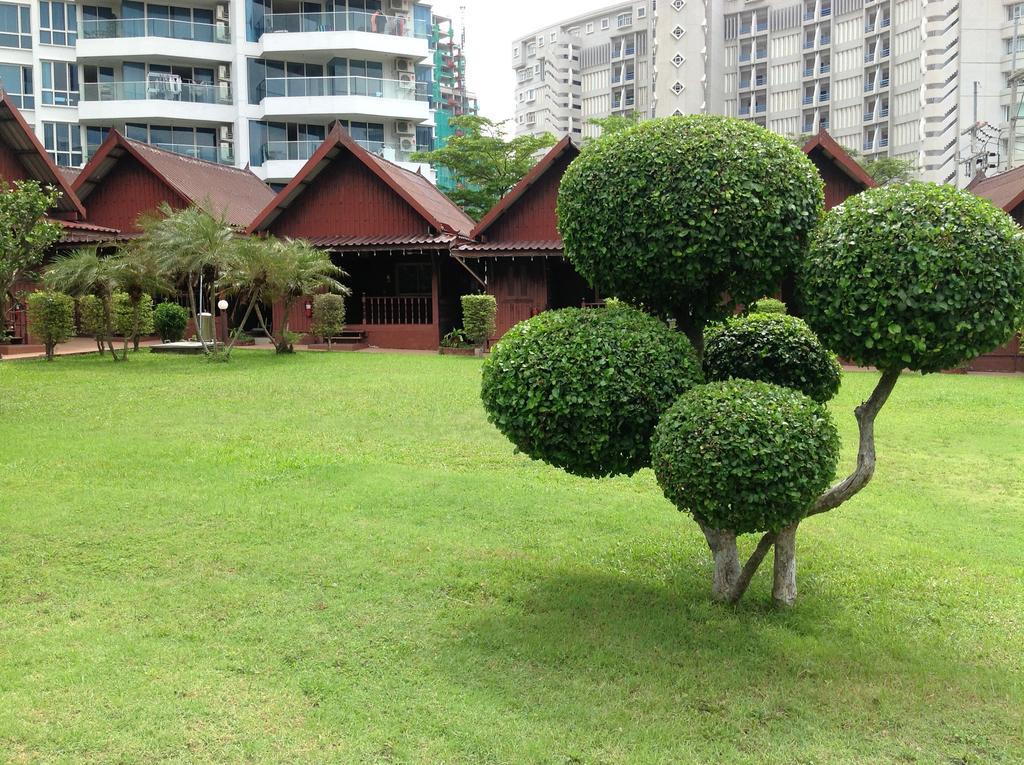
{"x":414,"y":279}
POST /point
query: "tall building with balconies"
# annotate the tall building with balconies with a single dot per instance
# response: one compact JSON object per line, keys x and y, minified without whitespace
{"x":922,"y":80}
{"x":589,"y":66}
{"x":243,"y":82}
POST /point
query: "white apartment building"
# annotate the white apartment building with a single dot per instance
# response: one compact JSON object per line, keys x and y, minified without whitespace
{"x":243,"y":82}
{"x":590,"y":66}
{"x":924,"y":80}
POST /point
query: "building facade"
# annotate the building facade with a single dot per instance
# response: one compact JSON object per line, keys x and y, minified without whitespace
{"x":587,"y":67}
{"x":922,"y":80}
{"x":239,"y":82}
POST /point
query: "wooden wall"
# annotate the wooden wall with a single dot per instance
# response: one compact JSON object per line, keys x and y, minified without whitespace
{"x":532,"y":217}
{"x":11,"y":168}
{"x":347,"y":199}
{"x":838,"y":185}
{"x":126,"y":192}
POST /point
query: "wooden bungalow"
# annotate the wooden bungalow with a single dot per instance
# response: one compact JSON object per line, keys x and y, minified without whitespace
{"x":517,"y":251}
{"x":127,"y":178}
{"x":22,"y":157}
{"x":391,"y":230}
{"x":1005,"y":191}
{"x":842,"y":174}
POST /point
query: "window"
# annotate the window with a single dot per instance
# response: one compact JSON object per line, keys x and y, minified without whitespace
{"x":531,"y":49}
{"x":58,"y":23}
{"x":1016,"y":11}
{"x":624,"y":20}
{"x":590,"y":27}
{"x":515,"y":51}
{"x":605,"y":24}
{"x":60,"y":83}
{"x":414,"y":278}
{"x":94,"y":136}
{"x":17,"y":82}
{"x":553,"y":36}
{"x":63,"y":141}
{"x":540,"y":41}
{"x":15,"y":28}
{"x":641,"y":12}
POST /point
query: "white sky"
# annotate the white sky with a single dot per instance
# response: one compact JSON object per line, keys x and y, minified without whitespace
{"x":491,"y":26}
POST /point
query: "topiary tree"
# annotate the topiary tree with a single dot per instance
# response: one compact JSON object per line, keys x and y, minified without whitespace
{"x":767,"y":305}
{"x":51,"y":315}
{"x":582,"y":389}
{"x":689,"y":216}
{"x":772,"y":348}
{"x":133,"y":318}
{"x":169,"y":321}
{"x":92,"y":320}
{"x":328,"y":316}
{"x":478,"y":317}
{"x":743,"y":456}
{"x":916,"y":277}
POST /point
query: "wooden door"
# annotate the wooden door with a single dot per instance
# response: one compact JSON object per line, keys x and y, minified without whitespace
{"x":520,"y":287}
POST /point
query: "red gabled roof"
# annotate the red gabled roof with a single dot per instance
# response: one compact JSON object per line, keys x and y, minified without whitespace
{"x":827,"y":145}
{"x":235,"y":193}
{"x":17,"y":134}
{"x":552,"y":248}
{"x":1005,"y":191}
{"x":81,"y":232}
{"x":563,"y":147}
{"x":426,"y":199}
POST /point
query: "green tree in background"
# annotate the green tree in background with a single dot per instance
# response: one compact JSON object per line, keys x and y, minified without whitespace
{"x":886,"y":170}
{"x":485,"y":160}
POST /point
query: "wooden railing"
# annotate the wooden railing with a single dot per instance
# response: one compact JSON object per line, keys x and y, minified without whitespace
{"x":398,"y":310}
{"x":16,"y":322}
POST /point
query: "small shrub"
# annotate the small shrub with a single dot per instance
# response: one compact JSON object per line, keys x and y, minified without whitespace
{"x":767,"y":305}
{"x":583,"y":389}
{"x":478,"y":317}
{"x":457,"y":338}
{"x":170,"y":320}
{"x":914,"y":276}
{"x":745,"y":456}
{"x":133,"y":321}
{"x":328,"y":316}
{"x":772,"y":348}
{"x":51,"y":317}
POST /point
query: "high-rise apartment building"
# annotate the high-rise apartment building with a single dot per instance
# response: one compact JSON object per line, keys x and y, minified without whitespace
{"x":243,"y":82}
{"x":923,"y":80}
{"x":590,"y":66}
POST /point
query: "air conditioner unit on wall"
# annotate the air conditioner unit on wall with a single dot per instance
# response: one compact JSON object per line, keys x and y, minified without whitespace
{"x":407,"y":144}
{"x":405,"y":127}
{"x":224,"y":72}
{"x":400,"y":5}
{"x":222,"y":13}
{"x":404,"y":65}
{"x":227,"y":133}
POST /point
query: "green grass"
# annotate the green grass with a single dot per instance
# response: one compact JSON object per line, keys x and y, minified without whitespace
{"x":334,"y":558}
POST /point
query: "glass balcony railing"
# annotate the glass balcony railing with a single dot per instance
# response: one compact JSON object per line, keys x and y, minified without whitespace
{"x":345,"y":21}
{"x":158,"y":90}
{"x":302,"y":150}
{"x":220,"y":155}
{"x":374,"y":87}
{"x":100,"y":29}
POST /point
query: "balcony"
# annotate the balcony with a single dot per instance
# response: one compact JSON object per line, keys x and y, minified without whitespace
{"x":823,"y":98}
{"x":885,"y":23}
{"x":809,"y":72}
{"x":222,"y":155}
{"x":826,"y":12}
{"x":156,"y":99}
{"x":884,"y":83}
{"x":762,"y":54}
{"x":326,"y":98}
{"x":869,"y":56}
{"x":762,"y":26}
{"x":884,"y":53}
{"x":745,"y":111}
{"x":825,"y":69}
{"x":826,"y":39}
{"x":809,"y":15}
{"x":761,"y":81}
{"x":869,"y":116}
{"x":744,"y":84}
{"x":824,"y":124}
{"x":869,"y":87}
{"x":745,"y":30}
{"x":869,"y":145}
{"x":761,"y":108}
{"x":808,"y":44}
{"x":281,"y":160}
{"x":883,"y":143}
{"x":808,"y":100}
{"x":118,"y":39}
{"x":744,"y":57}
{"x":344,"y":32}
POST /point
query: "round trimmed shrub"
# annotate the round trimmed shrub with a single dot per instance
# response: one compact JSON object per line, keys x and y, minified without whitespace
{"x":916,"y":276}
{"x":170,"y":320}
{"x":771,"y":348}
{"x":582,"y":389}
{"x":767,"y":305}
{"x":51,"y":318}
{"x":745,"y":456}
{"x":675,"y":212}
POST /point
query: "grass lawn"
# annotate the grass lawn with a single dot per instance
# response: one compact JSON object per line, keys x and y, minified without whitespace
{"x":334,"y":558}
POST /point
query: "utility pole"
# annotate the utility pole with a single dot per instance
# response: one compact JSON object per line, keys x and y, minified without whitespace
{"x":1015,"y":79}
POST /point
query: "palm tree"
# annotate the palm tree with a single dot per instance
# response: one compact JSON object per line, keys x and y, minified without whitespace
{"x":86,"y":272}
{"x":248,"y":275}
{"x":191,"y":247}
{"x":302,"y":270}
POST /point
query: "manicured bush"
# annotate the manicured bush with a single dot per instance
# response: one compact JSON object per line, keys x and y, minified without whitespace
{"x":93,"y":320}
{"x":478,"y":317}
{"x":767,"y":305}
{"x":328,"y":316}
{"x":51,"y":318}
{"x":675,"y":213}
{"x":916,"y":276}
{"x":170,"y":320}
{"x":582,"y":389}
{"x":744,"y":455}
{"x":133,"y":321}
{"x":772,"y":348}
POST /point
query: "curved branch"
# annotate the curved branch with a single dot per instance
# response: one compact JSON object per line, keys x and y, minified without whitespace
{"x":861,"y":475}
{"x":750,"y":567}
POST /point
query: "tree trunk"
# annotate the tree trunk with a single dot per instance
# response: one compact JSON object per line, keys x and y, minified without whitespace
{"x":49,"y":351}
{"x":784,"y":581}
{"x":694,"y":331}
{"x":726,"y":558}
{"x":195,"y":315}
